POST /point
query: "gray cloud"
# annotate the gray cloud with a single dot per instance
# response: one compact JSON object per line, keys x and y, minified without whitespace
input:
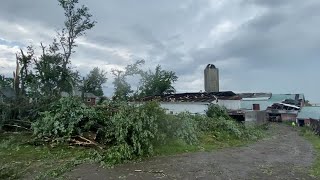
{"x":259,"y":45}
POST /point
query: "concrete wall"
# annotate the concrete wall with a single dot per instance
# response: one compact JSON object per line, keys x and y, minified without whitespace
{"x":211,"y":79}
{"x":178,"y":107}
{"x":259,"y":117}
{"x":229,"y":104}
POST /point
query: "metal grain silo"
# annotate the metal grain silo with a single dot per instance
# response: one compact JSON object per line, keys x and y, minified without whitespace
{"x":211,"y":78}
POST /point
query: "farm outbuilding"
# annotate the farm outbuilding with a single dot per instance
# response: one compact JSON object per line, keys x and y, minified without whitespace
{"x":251,"y":107}
{"x":255,"y":101}
{"x":308,"y":114}
{"x":261,"y":101}
{"x":196,"y":103}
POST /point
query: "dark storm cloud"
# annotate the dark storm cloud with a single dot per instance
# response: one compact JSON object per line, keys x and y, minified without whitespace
{"x":276,"y":38}
{"x":251,"y":41}
{"x":46,"y":12}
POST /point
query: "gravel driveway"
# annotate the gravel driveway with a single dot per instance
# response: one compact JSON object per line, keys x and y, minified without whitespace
{"x":283,"y":155}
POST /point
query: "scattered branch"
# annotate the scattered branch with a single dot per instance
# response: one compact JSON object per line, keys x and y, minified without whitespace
{"x":17,"y":126}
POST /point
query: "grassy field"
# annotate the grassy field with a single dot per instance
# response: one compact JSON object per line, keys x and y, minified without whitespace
{"x":315,"y":140}
{"x":21,"y":158}
{"x":208,"y":142}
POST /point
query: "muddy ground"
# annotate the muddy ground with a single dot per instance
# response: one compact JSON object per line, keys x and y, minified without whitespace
{"x":283,"y":155}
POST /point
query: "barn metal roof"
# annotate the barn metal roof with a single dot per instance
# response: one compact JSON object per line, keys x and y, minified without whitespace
{"x":309,"y":112}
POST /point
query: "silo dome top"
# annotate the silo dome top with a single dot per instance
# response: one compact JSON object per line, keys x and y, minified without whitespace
{"x":211,"y":66}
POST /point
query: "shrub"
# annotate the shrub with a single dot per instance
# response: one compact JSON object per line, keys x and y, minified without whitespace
{"x":230,"y":126}
{"x":205,"y":123}
{"x":215,"y":111}
{"x":67,"y":117}
{"x":182,"y":127}
{"x":134,"y":130}
{"x":141,"y":130}
{"x":221,"y":124}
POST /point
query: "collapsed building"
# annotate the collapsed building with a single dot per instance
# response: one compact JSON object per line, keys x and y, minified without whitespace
{"x":278,"y":107}
{"x":249,"y":107}
{"x":196,"y":103}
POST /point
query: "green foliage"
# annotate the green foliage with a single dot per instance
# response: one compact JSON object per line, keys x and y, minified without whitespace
{"x":48,"y":72}
{"x":215,"y":111}
{"x":158,"y":82}
{"x":221,"y":125}
{"x":134,"y":69}
{"x":175,"y":146}
{"x":122,"y":89}
{"x":21,"y":159}
{"x":66,"y":118}
{"x":315,"y":141}
{"x":5,"y":82}
{"x":77,"y":22}
{"x":118,"y":154}
{"x":132,"y":133}
{"x":94,"y":80}
{"x":37,"y":84}
{"x":181,"y":126}
{"x":5,"y":114}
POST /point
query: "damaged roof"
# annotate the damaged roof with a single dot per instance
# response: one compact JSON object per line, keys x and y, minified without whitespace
{"x":283,"y":97}
{"x":194,"y":97}
{"x":309,"y":112}
{"x":266,"y":100}
{"x":255,"y":95}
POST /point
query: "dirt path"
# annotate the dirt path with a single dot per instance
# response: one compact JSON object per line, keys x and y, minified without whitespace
{"x":285,"y":155}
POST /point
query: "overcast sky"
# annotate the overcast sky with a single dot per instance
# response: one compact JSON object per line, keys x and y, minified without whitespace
{"x":258,"y":45}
